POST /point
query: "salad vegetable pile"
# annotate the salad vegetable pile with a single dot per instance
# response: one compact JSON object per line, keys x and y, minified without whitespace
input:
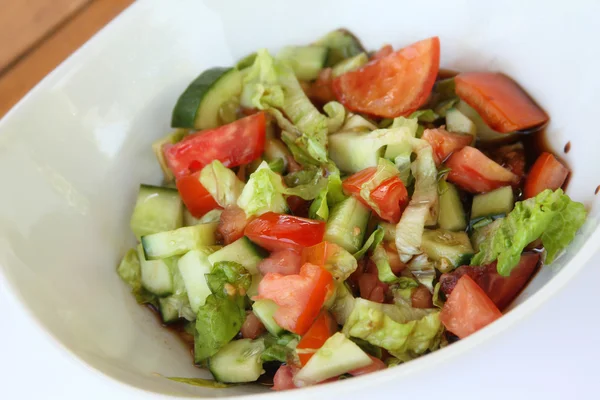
{"x":328,"y":212}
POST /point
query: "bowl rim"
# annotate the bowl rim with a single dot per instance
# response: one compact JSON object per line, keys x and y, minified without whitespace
{"x":557,"y":283}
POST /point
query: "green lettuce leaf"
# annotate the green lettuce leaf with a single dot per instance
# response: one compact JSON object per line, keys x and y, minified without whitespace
{"x":402,"y":291}
{"x":336,"y":114}
{"x":425,"y":115}
{"x":129,"y":270}
{"x":277,"y":165}
{"x":319,"y":209}
{"x":405,"y":340}
{"x":279,"y":348}
{"x":228,"y":276}
{"x":437,"y":300}
{"x":222,"y":183}
{"x":263,"y":193}
{"x":551,"y":216}
{"x":371,"y":243}
{"x":423,"y":269}
{"x":381,"y":260}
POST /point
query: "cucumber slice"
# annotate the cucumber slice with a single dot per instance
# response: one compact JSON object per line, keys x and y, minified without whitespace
{"x":156,"y":274}
{"x":264,"y":310}
{"x":342,"y":44}
{"x":198,"y":106}
{"x":193,"y":266}
{"x":337,"y":356}
{"x":306,"y":61}
{"x":179,"y":241}
{"x":347,"y":224}
{"x":354,"y":151}
{"x":239,"y":361}
{"x":243,"y":252}
{"x":176,"y":306}
{"x":496,"y":203}
{"x":452,"y":215}
{"x":453,"y":248}
{"x":458,"y":122}
{"x":157,"y":148}
{"x":349,"y":64}
{"x":157,"y":209}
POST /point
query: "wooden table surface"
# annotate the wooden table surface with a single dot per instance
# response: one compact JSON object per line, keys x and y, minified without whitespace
{"x":37,"y":35}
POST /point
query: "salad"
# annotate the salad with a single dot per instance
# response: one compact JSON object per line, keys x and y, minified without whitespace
{"x":327,"y":212}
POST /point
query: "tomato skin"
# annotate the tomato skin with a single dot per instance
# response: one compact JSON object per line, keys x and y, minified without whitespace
{"x":384,"y":51}
{"x":284,"y":262}
{"x":195,"y":197}
{"x":547,"y":173}
{"x":502,"y":104}
{"x":501,"y":289}
{"x":279,"y":231}
{"x":300,"y":297}
{"x":394,"y":85}
{"x":233,"y":144}
{"x":376,"y":365}
{"x":252,"y":326}
{"x":284,"y":378}
{"x":321,"y":330}
{"x":474,"y":172}
{"x":468,"y":309}
{"x":390,"y":196}
{"x":232,"y":223}
{"x":445,"y":143}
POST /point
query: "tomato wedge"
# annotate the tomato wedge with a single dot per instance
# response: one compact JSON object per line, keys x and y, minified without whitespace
{"x":321,"y":330}
{"x":232,"y":223}
{"x":300,"y":297}
{"x":502,"y":104}
{"x":391,"y":196}
{"x":320,"y":91}
{"x":475,"y":172}
{"x":384,"y":51}
{"x":547,"y":173}
{"x":445,"y":143}
{"x":195,"y":196}
{"x":468,"y":309}
{"x":394,"y":85}
{"x":279,"y":231}
{"x":501,"y":289}
{"x":284,"y":378}
{"x":233,"y":144}
{"x":284,"y":262}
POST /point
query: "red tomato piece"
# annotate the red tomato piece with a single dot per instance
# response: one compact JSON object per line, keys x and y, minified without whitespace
{"x":376,"y":365}
{"x":252,"y":326}
{"x":394,"y":85}
{"x":391,"y":196}
{"x":511,"y":157}
{"x":233,"y":144}
{"x":502,"y":104}
{"x":547,"y":173}
{"x":421,"y":298}
{"x":279,"y":231}
{"x":300,"y":297}
{"x":284,"y":378}
{"x":475,"y":172}
{"x":321,"y":330}
{"x":445,"y":143}
{"x":501,"y":289}
{"x":232,"y":223}
{"x":384,"y":51}
{"x":468,"y":309}
{"x":195,"y":197}
{"x":284,"y":262}
{"x":320,"y":253}
{"x":320,"y":91}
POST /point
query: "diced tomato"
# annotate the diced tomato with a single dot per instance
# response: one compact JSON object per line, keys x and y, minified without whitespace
{"x":233,"y":144}
{"x":547,"y":173}
{"x":394,"y":85}
{"x":390,"y":196}
{"x":284,"y":378}
{"x":376,"y":365}
{"x":321,"y":330}
{"x":298,"y":206}
{"x":468,"y":309}
{"x":502,"y":104}
{"x":321,"y":91}
{"x":195,"y":196}
{"x":279,"y":231}
{"x":501,"y":289}
{"x":383,"y":52}
{"x":300,"y":297}
{"x":511,"y":157}
{"x":232,"y":223}
{"x":284,"y":262}
{"x":421,"y":298}
{"x":252,"y":326}
{"x":475,"y":172}
{"x":445,"y":143}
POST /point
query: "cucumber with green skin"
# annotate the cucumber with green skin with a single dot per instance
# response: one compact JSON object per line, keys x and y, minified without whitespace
{"x":198,"y":106}
{"x":496,"y":203}
{"x":347,"y":224}
{"x":306,"y":61}
{"x":239,"y":361}
{"x":452,"y":214}
{"x":157,"y":209}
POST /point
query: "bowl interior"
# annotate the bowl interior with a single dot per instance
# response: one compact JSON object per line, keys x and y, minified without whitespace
{"x":74,"y":151}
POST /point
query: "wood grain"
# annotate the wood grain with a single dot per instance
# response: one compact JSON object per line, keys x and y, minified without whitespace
{"x":43,"y":58}
{"x":25,"y":22}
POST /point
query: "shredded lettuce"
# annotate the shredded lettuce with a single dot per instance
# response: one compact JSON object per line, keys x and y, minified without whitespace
{"x":329,"y":196}
{"x":425,"y":115}
{"x":129,"y":270}
{"x":341,"y":264}
{"x":263,"y":193}
{"x":551,"y":216}
{"x":423,"y":269}
{"x":371,"y":243}
{"x":222,"y":183}
{"x":402,"y":291}
{"x":279,"y":348}
{"x":399,"y":332}
{"x":336,"y":113}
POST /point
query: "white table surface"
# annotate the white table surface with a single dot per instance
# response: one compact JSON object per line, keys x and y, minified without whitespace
{"x":551,"y":355}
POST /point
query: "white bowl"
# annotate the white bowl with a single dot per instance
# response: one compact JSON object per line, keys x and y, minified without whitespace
{"x":73,"y":152}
